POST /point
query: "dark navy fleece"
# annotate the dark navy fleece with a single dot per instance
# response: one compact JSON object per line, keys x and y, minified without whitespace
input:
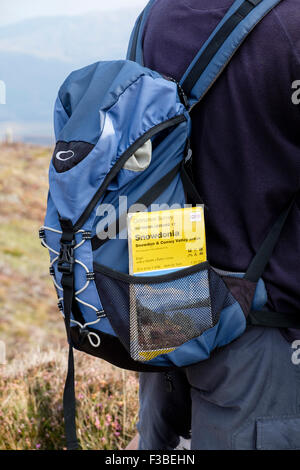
{"x":246,"y":134}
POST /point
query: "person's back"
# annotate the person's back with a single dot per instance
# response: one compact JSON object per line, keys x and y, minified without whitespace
{"x":246,"y":138}
{"x":246,"y":155}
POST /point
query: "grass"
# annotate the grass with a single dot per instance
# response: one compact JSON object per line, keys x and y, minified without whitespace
{"x":31,"y":383}
{"x":31,"y":415}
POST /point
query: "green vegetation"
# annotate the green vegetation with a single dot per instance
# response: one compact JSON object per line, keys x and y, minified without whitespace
{"x":31,"y":415}
{"x":31,"y":383}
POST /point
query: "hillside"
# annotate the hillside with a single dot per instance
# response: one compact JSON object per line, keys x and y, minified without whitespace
{"x":78,"y":40}
{"x":31,"y":383}
{"x":37,"y":55}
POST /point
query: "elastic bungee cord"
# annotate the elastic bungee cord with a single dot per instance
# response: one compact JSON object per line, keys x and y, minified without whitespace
{"x":90,"y":278}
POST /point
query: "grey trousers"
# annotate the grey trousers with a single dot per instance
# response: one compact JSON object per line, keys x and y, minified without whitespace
{"x":246,"y":396}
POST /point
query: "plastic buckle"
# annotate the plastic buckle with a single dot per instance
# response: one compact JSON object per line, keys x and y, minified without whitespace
{"x":66,"y":260}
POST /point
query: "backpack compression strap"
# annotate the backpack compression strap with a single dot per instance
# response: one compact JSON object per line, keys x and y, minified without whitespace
{"x":66,"y":262}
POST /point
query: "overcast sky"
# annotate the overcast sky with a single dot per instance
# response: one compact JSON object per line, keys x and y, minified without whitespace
{"x":12,"y":11}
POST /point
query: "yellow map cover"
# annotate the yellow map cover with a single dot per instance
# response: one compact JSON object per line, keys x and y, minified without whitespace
{"x":164,"y":241}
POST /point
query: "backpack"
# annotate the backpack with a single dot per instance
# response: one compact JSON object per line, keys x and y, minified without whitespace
{"x":123,"y":130}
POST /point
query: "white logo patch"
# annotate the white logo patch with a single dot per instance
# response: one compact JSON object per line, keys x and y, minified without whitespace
{"x":69,"y":154}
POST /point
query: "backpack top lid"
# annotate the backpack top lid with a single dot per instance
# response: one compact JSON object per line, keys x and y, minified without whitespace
{"x":216,"y":52}
{"x":101,"y":111}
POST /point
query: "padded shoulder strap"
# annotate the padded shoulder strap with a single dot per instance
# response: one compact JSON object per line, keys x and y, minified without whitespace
{"x":135,"y":49}
{"x":220,"y":47}
{"x":217,"y":51}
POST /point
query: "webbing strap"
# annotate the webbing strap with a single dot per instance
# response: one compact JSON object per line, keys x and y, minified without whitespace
{"x":69,"y":403}
{"x":134,"y":39}
{"x":262,"y":257}
{"x":273,"y":319}
{"x":135,"y":49}
{"x":215,"y":44}
{"x":216,"y":53}
{"x":193,"y":196}
{"x":65,"y":265}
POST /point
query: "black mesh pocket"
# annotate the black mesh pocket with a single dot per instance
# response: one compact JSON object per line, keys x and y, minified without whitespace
{"x":163,"y":316}
{"x":154,"y":316}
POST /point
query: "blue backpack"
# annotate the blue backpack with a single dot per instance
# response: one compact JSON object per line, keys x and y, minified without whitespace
{"x":123,"y":130}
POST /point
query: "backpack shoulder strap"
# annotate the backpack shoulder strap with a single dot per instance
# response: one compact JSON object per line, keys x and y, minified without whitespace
{"x":216,"y":53}
{"x":223,"y":43}
{"x":135,"y":48}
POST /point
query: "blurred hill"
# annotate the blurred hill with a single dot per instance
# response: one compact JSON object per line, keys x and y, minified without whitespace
{"x":77,"y":40}
{"x":36,"y":56}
